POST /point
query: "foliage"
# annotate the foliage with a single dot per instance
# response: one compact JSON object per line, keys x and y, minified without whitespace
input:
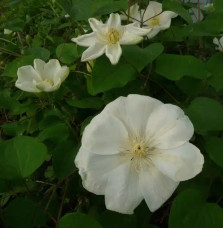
{"x":41,"y":134}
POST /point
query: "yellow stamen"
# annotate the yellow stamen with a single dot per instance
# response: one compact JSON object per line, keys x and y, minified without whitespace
{"x":113,"y":36}
{"x":155,"y":21}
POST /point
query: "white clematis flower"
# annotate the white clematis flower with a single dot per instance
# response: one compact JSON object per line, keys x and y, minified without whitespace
{"x":218,"y":43}
{"x":43,"y":77}
{"x":107,"y":38}
{"x":152,"y":17}
{"x":137,"y":148}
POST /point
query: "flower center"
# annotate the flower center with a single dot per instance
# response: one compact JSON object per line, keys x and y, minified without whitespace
{"x":139,"y":150}
{"x":155,"y":21}
{"x":49,"y":81}
{"x":113,"y":36}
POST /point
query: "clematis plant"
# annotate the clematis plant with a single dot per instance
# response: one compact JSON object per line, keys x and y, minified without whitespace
{"x":107,"y":38}
{"x":137,"y":148}
{"x":153,"y":17}
{"x":218,"y":43}
{"x":43,"y":77}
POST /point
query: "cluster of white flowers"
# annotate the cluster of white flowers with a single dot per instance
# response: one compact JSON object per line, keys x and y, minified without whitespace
{"x":107,"y":38}
{"x":137,"y":147}
{"x":218,"y":43}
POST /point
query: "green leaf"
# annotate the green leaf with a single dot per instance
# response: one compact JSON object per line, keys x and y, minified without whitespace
{"x":215,"y":66}
{"x":174,"y":67}
{"x":82,"y":10}
{"x":206,"y":114}
{"x":39,"y":53}
{"x":63,"y":163}
{"x":110,"y":219}
{"x":15,"y":25}
{"x":11,"y":68}
{"x":176,"y":6}
{"x":214,"y":147}
{"x":23,"y":213}
{"x":106,"y":76}
{"x":90,"y":102}
{"x":20,"y":157}
{"x":67,"y":53}
{"x":78,"y":220}
{"x":218,"y":5}
{"x":141,"y":57}
{"x":57,"y":132}
{"x":189,"y":209}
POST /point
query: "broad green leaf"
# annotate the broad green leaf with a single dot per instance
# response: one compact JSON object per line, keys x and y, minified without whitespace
{"x":177,"y":7}
{"x":20,"y":157}
{"x":206,"y":114}
{"x":218,"y":5}
{"x":214,"y":147}
{"x":39,"y":53}
{"x":11,"y":68}
{"x":57,"y":133}
{"x":78,"y":220}
{"x":105,"y":76}
{"x":215,"y":66}
{"x":15,"y":25}
{"x":67,"y":53}
{"x":110,"y":219}
{"x":189,"y":210}
{"x":82,"y":10}
{"x":141,"y":57}
{"x":14,"y":128}
{"x":23,"y":213}
{"x":91,"y":102}
{"x":63,"y":158}
{"x":174,"y":67}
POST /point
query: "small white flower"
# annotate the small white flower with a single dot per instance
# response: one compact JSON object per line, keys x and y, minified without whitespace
{"x":66,"y":15}
{"x":107,"y":38}
{"x":8,"y":31}
{"x":218,"y":43}
{"x":152,"y":17}
{"x":44,"y":77}
{"x":137,"y":148}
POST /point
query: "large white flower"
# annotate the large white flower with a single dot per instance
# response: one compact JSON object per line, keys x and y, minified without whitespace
{"x":137,"y":148}
{"x":43,"y":77}
{"x":107,"y":38}
{"x":152,"y":17}
{"x":218,"y":43}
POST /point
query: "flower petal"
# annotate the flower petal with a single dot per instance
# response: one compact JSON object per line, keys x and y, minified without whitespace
{"x":114,"y":20}
{"x":181,"y":163}
{"x":165,"y":19}
{"x":27,"y":86}
{"x":85,"y":40}
{"x":113,"y":52}
{"x":61,"y":75}
{"x":156,"y":188}
{"x":39,"y":66}
{"x":109,"y":138}
{"x":95,"y":24}
{"x":51,"y":69}
{"x":122,"y":193}
{"x":93,"y":52}
{"x":135,"y":29}
{"x":155,"y":6}
{"x":168,"y":127}
{"x":154,"y":32}
{"x":27,"y":74}
{"x":95,"y":169}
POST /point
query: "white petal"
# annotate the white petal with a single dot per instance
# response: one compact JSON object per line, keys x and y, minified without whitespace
{"x":61,"y":75}
{"x":27,"y":86}
{"x":153,"y":9}
{"x":93,"y":52}
{"x":138,"y":109}
{"x":39,"y":66}
{"x":156,"y":6}
{"x":168,"y":127}
{"x":46,"y":86}
{"x":165,"y":19}
{"x":122,"y":192}
{"x":113,"y":52}
{"x":156,"y":187}
{"x":96,"y":170}
{"x":114,"y":20}
{"x":105,"y":135}
{"x":130,"y":38}
{"x":51,"y":69}
{"x":95,"y":24}
{"x":85,"y":40}
{"x":27,"y":74}
{"x":135,"y":29}
{"x":181,"y":163}
{"x":154,"y":32}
